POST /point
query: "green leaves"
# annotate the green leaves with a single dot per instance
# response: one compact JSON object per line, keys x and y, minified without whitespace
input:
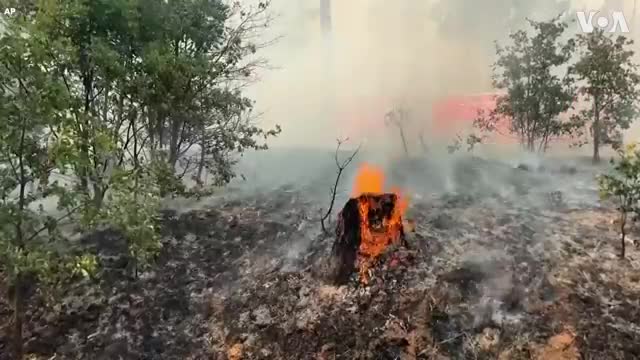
{"x":48,"y":266}
{"x":602,"y":86}
{"x":609,"y":81}
{"x":535,"y":96}
{"x":624,"y":182}
{"x":132,"y":208}
{"x":34,"y":103}
{"x":83,"y":265}
{"x":92,"y":93}
{"x":623,"y":185}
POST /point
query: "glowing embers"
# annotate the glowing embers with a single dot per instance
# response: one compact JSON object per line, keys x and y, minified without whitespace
{"x":369,"y":223}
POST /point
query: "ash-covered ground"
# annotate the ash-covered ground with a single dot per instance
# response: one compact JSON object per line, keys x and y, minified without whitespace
{"x":505,"y":263}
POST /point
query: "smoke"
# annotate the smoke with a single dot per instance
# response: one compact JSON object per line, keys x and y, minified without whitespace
{"x":379,"y":54}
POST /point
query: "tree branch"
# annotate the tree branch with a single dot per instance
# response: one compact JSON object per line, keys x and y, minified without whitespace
{"x":341,"y":166}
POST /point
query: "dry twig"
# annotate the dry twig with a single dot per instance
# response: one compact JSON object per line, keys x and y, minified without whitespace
{"x":341,"y":166}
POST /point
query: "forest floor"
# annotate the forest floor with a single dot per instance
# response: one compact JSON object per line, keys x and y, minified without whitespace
{"x":524,"y":270}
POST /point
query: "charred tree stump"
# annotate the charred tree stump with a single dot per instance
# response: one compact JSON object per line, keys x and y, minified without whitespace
{"x":345,"y":247}
{"x":366,"y":226}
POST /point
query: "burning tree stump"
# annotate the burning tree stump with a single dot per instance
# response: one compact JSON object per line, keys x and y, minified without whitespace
{"x":367,"y":225}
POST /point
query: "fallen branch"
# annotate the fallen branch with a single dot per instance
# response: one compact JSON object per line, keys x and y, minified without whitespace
{"x":334,"y":190}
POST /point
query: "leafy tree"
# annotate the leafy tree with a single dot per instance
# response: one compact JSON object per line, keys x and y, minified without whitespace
{"x":535,"y":95}
{"x":609,"y":81}
{"x":152,"y":81}
{"x":623,"y":185}
{"x":115,"y":94}
{"x":148,"y":80}
{"x":227,"y":136}
{"x":89,"y":49}
{"x":192,"y":86}
{"x":31,"y":102}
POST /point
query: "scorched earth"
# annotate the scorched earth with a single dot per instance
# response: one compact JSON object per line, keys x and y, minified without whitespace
{"x":503,"y":262}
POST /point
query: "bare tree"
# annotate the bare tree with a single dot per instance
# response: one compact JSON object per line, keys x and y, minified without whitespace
{"x":423,"y":143}
{"x":341,"y":166}
{"x":398,"y":117}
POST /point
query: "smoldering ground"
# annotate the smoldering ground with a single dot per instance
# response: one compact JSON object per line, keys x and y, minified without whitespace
{"x":503,"y":264}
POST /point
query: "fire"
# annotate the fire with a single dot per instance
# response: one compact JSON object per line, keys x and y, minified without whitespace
{"x":381,"y":217}
{"x":369,"y":180}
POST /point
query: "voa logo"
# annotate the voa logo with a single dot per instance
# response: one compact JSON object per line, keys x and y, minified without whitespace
{"x":612,"y":22}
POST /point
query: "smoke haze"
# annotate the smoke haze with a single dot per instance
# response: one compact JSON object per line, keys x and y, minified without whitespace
{"x":381,"y":53}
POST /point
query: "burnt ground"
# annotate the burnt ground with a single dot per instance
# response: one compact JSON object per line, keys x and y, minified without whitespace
{"x":527,"y":269}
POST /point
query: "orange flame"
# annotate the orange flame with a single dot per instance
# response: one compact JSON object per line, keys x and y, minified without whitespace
{"x":375,"y":239}
{"x":369,"y":179}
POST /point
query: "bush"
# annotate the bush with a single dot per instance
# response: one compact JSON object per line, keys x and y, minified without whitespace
{"x":623,"y":186}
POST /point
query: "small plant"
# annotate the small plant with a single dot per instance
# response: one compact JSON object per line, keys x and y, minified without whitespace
{"x":472,"y":140}
{"x":623,"y":186}
{"x":455,"y":145}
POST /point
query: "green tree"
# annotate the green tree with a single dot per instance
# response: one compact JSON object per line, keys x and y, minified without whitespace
{"x":90,"y":50}
{"x":93,"y":48}
{"x":31,"y":102}
{"x":623,"y":186}
{"x":609,"y":81}
{"x":115,"y":94}
{"x":193,"y":73}
{"x":535,"y":96}
{"x":152,"y":81}
{"x":147,"y":80}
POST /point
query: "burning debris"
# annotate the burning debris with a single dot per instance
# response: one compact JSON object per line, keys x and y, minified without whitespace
{"x":370,"y":222}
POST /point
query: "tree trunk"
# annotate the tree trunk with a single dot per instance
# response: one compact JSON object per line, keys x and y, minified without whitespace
{"x":18,"y":311}
{"x":174,"y":142}
{"x":423,"y":143}
{"x":98,"y":196}
{"x":404,"y":140}
{"x":18,"y":305}
{"x":151,"y":120}
{"x":544,"y":143}
{"x":623,"y":222}
{"x":349,"y":232}
{"x":596,"y":131}
{"x":203,"y":152}
{"x":345,"y":248}
{"x":160,"y":130}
